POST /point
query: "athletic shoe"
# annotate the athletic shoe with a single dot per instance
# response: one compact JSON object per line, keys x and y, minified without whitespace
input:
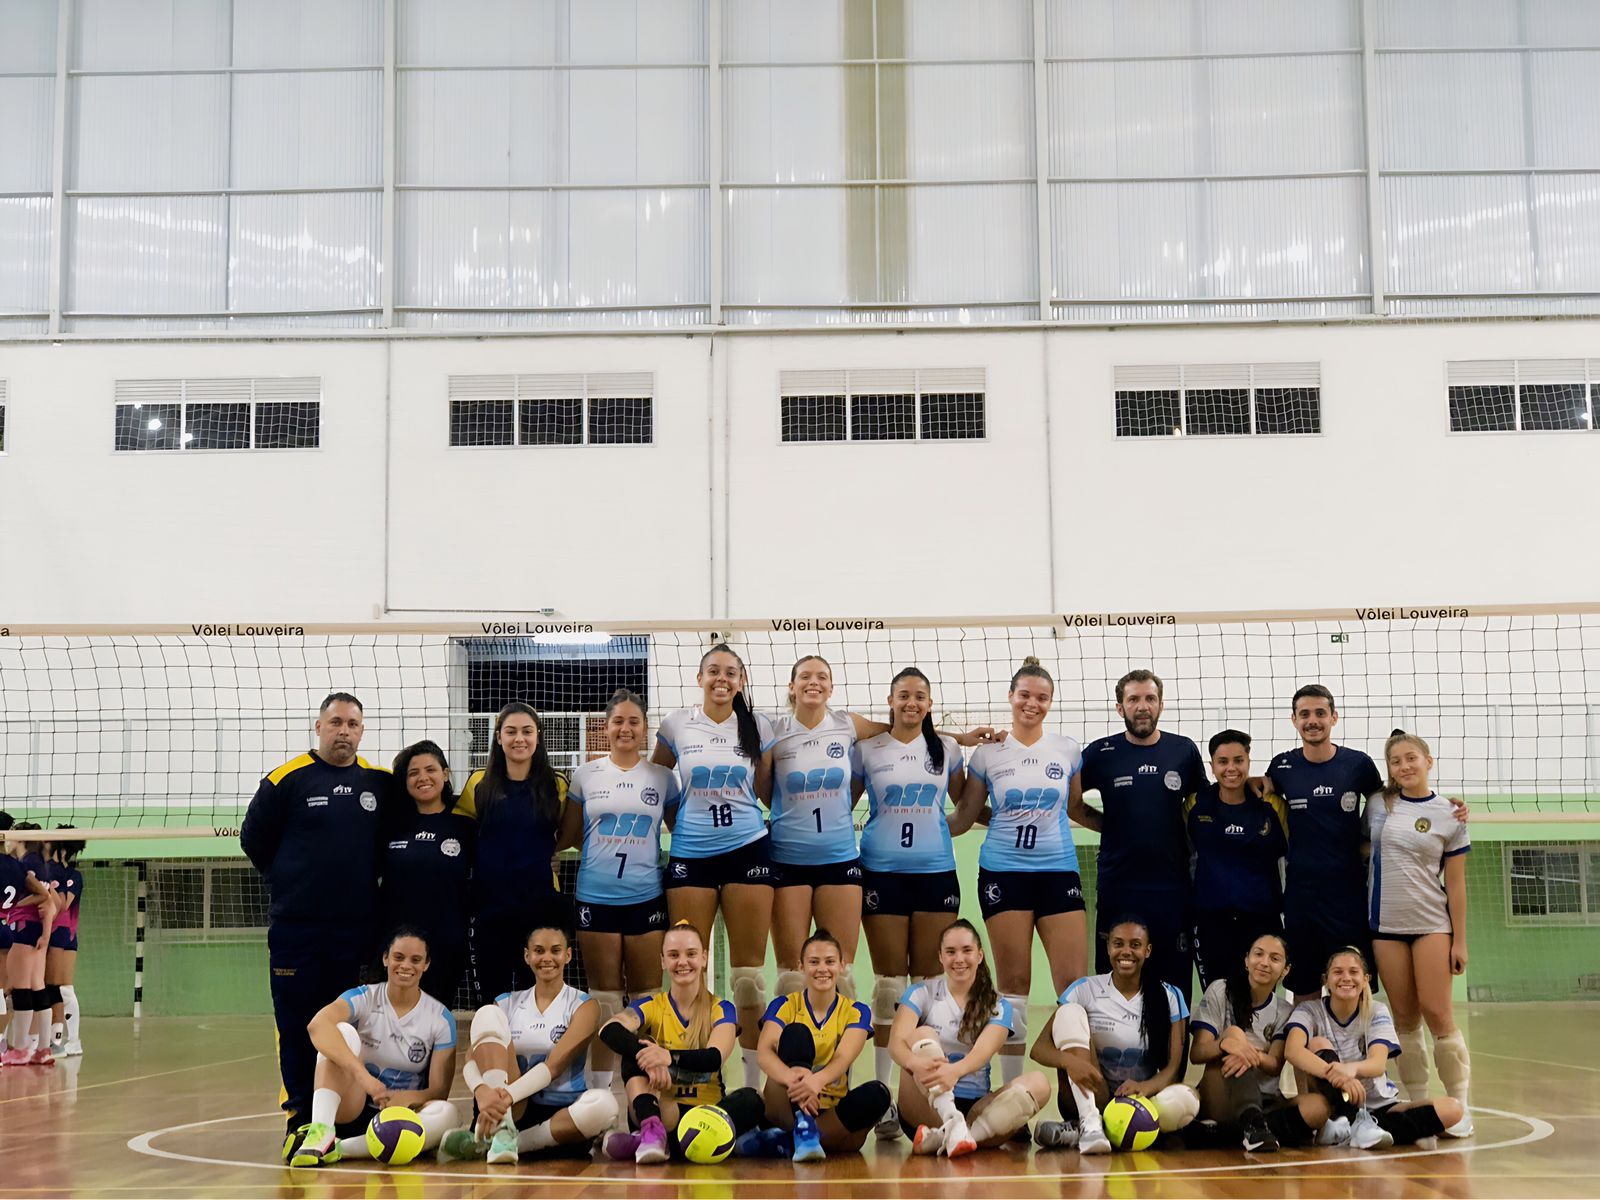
{"x":15,"y":1058}
{"x":1258,"y":1139}
{"x":1427,"y":1143}
{"x":503,"y":1144}
{"x":1055,"y":1135}
{"x":70,"y":1050}
{"x":1367,"y":1134}
{"x":929,"y":1139}
{"x":621,"y":1147}
{"x":42,"y":1058}
{"x":319,"y":1147}
{"x":461,"y":1145}
{"x":764,"y":1143}
{"x":292,"y":1140}
{"x":1335,"y":1133}
{"x":1463,"y":1127}
{"x":958,"y":1139}
{"x":1094,"y":1140}
{"x":807,"y":1139}
{"x":888,"y":1126}
{"x":652,"y":1142}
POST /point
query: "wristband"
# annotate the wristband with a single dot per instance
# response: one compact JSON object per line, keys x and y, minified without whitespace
{"x":536,"y":1080}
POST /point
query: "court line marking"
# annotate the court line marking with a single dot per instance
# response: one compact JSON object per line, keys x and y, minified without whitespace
{"x":105,"y":1083}
{"x":1540,"y":1062}
{"x":1538,"y":1131}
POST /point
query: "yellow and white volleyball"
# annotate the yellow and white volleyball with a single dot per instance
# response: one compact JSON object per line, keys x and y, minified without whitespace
{"x":395,"y":1136}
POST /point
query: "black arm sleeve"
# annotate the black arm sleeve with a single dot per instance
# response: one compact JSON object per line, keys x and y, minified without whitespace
{"x":699,"y":1062}
{"x":623,"y":1040}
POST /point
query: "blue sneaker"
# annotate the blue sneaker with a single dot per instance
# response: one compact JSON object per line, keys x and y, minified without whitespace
{"x":764,"y":1143}
{"x":807,"y":1140}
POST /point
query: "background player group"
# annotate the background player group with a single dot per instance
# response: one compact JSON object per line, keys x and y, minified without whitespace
{"x":1189,"y":874}
{"x":40,"y":892}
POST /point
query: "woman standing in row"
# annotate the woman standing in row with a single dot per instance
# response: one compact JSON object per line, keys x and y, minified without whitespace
{"x":61,"y":959}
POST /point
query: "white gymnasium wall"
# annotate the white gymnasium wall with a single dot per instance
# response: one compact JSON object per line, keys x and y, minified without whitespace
{"x":718,"y":518}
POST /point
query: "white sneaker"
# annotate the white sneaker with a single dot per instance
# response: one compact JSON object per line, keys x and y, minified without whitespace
{"x":1335,"y":1133}
{"x":1463,"y":1127}
{"x":74,"y":1049}
{"x":1367,"y":1134}
{"x":888,"y":1128}
{"x":1093,"y":1140}
{"x":1055,"y":1135}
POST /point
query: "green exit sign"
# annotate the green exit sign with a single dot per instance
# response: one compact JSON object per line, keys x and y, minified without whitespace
{"x":1339,"y":639}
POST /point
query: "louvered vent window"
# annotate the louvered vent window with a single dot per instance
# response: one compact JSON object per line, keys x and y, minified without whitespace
{"x":616,"y":409}
{"x":218,"y":414}
{"x":1218,"y":399}
{"x":1523,"y":394}
{"x":935,"y":404}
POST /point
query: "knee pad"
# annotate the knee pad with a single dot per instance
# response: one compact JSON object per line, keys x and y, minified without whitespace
{"x":862,"y":1107}
{"x":593,"y":1112}
{"x":847,"y":982}
{"x":886,"y":993}
{"x":927,"y":1048}
{"x":610,"y":1003}
{"x":52,"y":995}
{"x":748,"y":986}
{"x":1328,"y":1054}
{"x":1176,"y":1105}
{"x":1069,"y":1030}
{"x":351,"y":1037}
{"x":1019,"y":1019}
{"x":789,"y":982}
{"x":796,"y":1046}
{"x":490,"y":1024}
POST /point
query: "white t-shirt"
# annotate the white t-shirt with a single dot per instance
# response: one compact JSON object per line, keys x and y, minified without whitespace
{"x":1405,"y":889}
{"x":1352,"y":1039}
{"x":534,"y":1034}
{"x":398,"y":1049}
{"x":937,"y":1009}
{"x":1268,"y":1023}
{"x":1116,"y":1025}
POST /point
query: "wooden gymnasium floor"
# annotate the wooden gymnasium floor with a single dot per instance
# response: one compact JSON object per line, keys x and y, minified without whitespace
{"x":184,"y":1107}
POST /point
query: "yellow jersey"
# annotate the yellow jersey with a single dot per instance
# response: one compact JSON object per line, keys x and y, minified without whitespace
{"x":663,"y":1024}
{"x":827,"y":1030}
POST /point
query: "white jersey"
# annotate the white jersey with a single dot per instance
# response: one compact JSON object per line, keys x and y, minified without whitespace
{"x":811,"y":803}
{"x":1405,"y":891}
{"x":534,"y":1034}
{"x":719,"y":811}
{"x":1116,"y":1025}
{"x":1028,"y":785}
{"x":938,"y":1010}
{"x":1268,"y":1024}
{"x":907,"y":830}
{"x":396,"y":1049}
{"x":1351,"y":1041}
{"x":622,"y":814}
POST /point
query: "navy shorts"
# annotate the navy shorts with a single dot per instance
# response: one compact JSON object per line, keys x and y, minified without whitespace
{"x":5,"y":936}
{"x":63,"y":939}
{"x":1043,"y":893}
{"x":648,"y":916}
{"x":893,"y":894}
{"x":748,"y":864}
{"x":1313,"y":938}
{"x":815,"y":875}
{"x":31,"y":934}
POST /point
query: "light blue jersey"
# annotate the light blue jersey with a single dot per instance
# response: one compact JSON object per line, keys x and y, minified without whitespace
{"x":937,"y":1009}
{"x":811,"y":804}
{"x":1028,"y":828}
{"x":534,"y":1034}
{"x":398,"y":1049}
{"x":622,"y":813}
{"x":1116,"y":1025}
{"x":719,"y":810}
{"x":907,"y":830}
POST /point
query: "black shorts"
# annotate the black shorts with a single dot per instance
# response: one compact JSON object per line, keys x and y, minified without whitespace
{"x":891,"y":894}
{"x":64,"y":939}
{"x":964,"y":1105}
{"x":1405,"y":938}
{"x":30,"y":935}
{"x":1312,"y":938}
{"x":648,"y":916}
{"x":357,"y":1125}
{"x":750,"y":864}
{"x":815,"y":875}
{"x":1043,"y":893}
{"x":5,"y":936}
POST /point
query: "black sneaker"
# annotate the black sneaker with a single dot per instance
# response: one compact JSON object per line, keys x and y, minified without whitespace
{"x":1258,"y":1139}
{"x":292,"y":1139}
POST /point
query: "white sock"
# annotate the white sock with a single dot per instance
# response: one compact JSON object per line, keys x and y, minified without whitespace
{"x":539,"y":1137}
{"x":601,"y":1079}
{"x":324,"y":1107}
{"x":69,"y":999}
{"x":1088,"y":1111}
{"x":58,"y":1032}
{"x":354,"y":1147}
{"x":883,"y":1065}
{"x":1010,"y":1067}
{"x":752,"y":1069}
{"x":20,"y":1034}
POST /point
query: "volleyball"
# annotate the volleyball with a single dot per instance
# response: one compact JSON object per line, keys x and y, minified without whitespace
{"x":395,"y":1136}
{"x":1131,"y":1123}
{"x":705,"y":1135}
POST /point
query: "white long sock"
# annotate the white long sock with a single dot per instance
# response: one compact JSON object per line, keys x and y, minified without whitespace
{"x":1010,"y":1067}
{"x":600,"y":1079}
{"x":1088,"y":1111}
{"x":1014,"y":1054}
{"x":72,"y":1013}
{"x":324,"y":1106}
{"x":539,"y":1137}
{"x":883,"y":1065}
{"x":752,"y":1069}
{"x":354,"y":1146}
{"x":20,"y":1034}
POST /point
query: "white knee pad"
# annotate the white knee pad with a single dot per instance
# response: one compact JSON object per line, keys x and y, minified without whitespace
{"x":847,"y":982}
{"x":437,"y":1118}
{"x":351,"y":1037}
{"x":1176,"y":1105}
{"x":610,"y":1004}
{"x":1019,"y":1019}
{"x":489,"y":1024}
{"x":789,"y":982}
{"x":748,"y":986}
{"x":927,"y":1048}
{"x":1070,"y":1028}
{"x":886,"y":993}
{"x":593,"y":1112}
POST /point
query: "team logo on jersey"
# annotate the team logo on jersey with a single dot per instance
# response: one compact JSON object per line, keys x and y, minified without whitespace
{"x":450,"y":848}
{"x":417,"y":1051}
{"x":853,"y":871}
{"x":1173,"y":780}
{"x":426,"y":836}
{"x":1323,"y":790}
{"x":369,"y":802}
{"x":556,"y":1034}
{"x":1148,"y":768}
{"x":1423,"y":825}
{"x":835,"y":749}
{"x":1234,"y":830}
{"x":717,"y":740}
{"x":1122,"y":781}
{"x":658,"y":916}
{"x":1054,"y":771}
{"x":1348,"y":802}
{"x":929,"y":767}
{"x":342,"y":789}
{"x":991,"y":893}
{"x":869,"y":899}
{"x":680,"y":871}
{"x":316,"y":802}
{"x":585,"y":916}
{"x":650,"y":796}
{"x":952,"y":903}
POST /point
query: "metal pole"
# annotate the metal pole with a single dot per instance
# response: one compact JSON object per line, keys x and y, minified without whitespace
{"x":386,"y":265}
{"x":714,"y":155}
{"x":58,"y":164}
{"x":1376,"y":250}
{"x":1041,"y":165}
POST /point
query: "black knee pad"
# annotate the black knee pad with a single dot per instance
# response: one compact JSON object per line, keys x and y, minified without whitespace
{"x":797,"y":1047}
{"x":1289,"y":1127}
{"x":1328,"y":1056}
{"x":744,"y":1108}
{"x":862,"y":1107}
{"x":52,"y":996}
{"x":1412,"y":1125}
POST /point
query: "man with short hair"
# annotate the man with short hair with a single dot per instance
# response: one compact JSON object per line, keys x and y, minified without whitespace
{"x":313,"y":831}
{"x":1145,"y":779}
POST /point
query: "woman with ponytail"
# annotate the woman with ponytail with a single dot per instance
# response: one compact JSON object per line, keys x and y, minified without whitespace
{"x":946,"y":1031}
{"x":517,"y":801}
{"x":1117,"y":1034}
{"x":911,"y":889}
{"x":720,"y":856}
{"x":672,"y":1046}
{"x":1417,"y":906}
